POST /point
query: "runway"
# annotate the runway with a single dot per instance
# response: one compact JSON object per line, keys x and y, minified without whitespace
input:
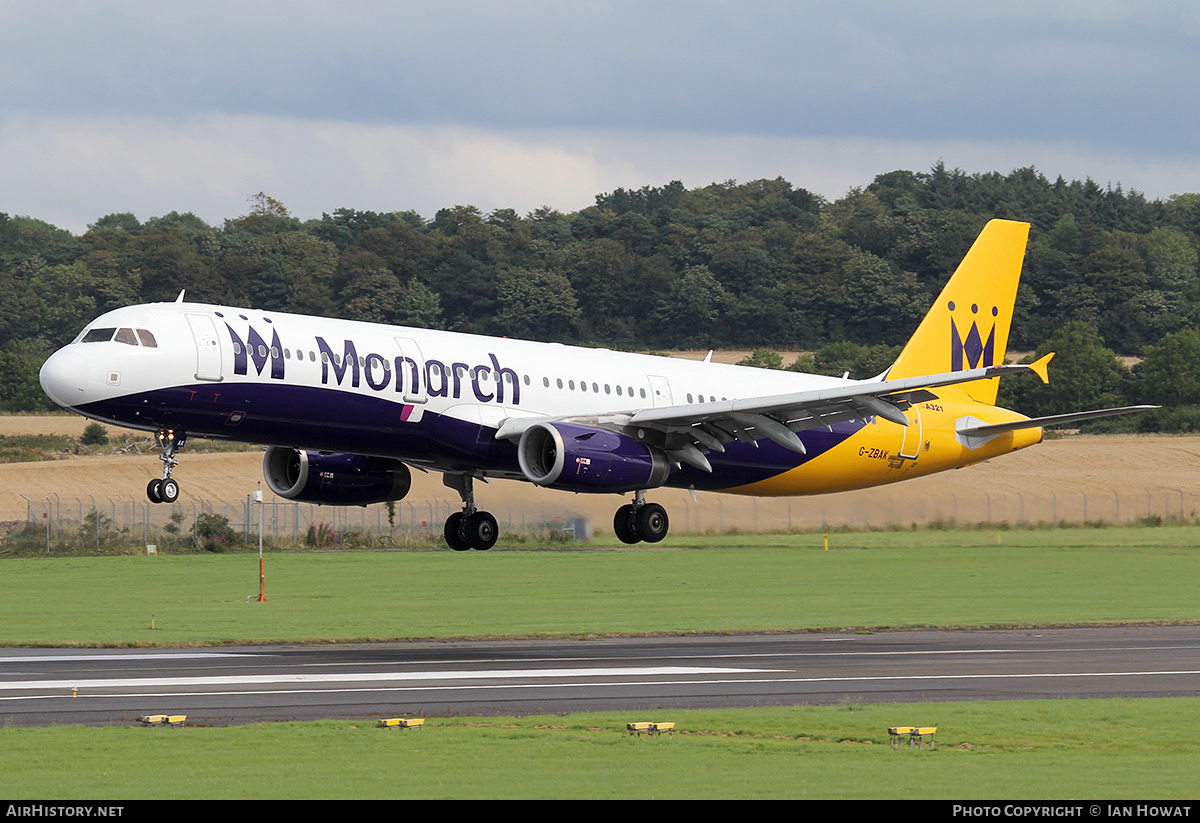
{"x":224,"y":686}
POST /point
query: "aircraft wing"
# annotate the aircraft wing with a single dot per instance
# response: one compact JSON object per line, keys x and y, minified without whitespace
{"x":689,"y":431}
{"x":778,"y":417}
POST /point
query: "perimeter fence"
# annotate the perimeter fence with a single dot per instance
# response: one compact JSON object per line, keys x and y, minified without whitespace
{"x":63,"y":524}
{"x":219,"y":524}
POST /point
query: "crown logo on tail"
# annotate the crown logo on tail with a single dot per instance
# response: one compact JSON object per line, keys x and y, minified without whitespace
{"x":972,"y":351}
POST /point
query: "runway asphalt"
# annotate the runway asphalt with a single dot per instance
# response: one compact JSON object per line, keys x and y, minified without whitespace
{"x":225,"y":686}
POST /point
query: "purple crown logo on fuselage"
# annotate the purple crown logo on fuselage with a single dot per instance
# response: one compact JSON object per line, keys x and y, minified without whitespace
{"x":255,"y":349}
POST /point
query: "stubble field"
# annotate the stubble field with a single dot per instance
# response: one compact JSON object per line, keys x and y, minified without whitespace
{"x":1115,"y":478}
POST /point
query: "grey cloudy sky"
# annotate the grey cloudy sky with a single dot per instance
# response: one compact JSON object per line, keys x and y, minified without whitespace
{"x":151,"y":107}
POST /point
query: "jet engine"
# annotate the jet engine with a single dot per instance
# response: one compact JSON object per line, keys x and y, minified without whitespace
{"x":334,"y":479}
{"x":588,"y":459}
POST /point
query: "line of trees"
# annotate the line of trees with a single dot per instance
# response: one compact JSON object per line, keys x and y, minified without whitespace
{"x":760,"y":264}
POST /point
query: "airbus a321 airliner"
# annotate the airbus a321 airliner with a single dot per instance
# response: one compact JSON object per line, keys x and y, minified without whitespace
{"x":345,"y":408}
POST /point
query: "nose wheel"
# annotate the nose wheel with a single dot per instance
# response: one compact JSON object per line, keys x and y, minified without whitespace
{"x":166,"y":490}
{"x":162,"y":491}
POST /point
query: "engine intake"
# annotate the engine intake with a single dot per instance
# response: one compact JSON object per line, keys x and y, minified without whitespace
{"x":588,"y":459}
{"x":334,"y":479}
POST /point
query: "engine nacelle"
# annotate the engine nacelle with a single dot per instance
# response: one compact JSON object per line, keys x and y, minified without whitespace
{"x":334,"y":479}
{"x":587,"y":459}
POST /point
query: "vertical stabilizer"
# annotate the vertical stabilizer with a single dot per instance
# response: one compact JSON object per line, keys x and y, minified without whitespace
{"x":968,"y":325}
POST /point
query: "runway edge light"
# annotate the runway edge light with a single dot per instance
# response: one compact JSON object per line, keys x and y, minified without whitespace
{"x":402,"y":723}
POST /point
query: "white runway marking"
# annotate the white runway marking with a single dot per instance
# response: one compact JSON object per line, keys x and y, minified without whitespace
{"x":432,"y":682}
{"x":70,"y":658}
{"x":437,"y":681}
{"x":359,"y":677}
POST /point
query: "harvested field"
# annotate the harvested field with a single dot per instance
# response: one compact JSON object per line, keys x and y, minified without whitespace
{"x":1114,"y":478}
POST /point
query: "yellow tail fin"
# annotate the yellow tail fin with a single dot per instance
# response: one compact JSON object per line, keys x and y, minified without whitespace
{"x":969,"y":323}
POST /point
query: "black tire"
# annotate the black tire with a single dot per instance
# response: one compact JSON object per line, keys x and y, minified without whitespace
{"x":482,"y":531}
{"x":154,"y":491}
{"x":624,"y":526}
{"x":168,"y":490}
{"x":653,"y":523}
{"x":453,"y":533}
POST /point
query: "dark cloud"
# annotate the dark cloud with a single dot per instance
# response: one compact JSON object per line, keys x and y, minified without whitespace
{"x":1120,"y":74}
{"x":151,"y":107}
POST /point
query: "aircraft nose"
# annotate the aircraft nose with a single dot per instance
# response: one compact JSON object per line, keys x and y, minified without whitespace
{"x":64,"y":377}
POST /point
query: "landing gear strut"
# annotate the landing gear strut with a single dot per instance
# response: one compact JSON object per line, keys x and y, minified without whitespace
{"x":166,"y":490}
{"x":470,"y":528}
{"x":639,"y":520}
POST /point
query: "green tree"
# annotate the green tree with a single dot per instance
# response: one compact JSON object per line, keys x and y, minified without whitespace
{"x":214,"y":532}
{"x":884,"y":304}
{"x":94,"y":435}
{"x":690,"y":313}
{"x":420,"y":307}
{"x":20,"y":388}
{"x":125,"y":221}
{"x":171,"y":254}
{"x":602,"y":274}
{"x":852,"y":359}
{"x":297,"y":267}
{"x":1084,"y":375}
{"x":763,"y":359}
{"x":74,"y":304}
{"x":373,"y":295}
{"x":266,"y":216}
{"x":1169,"y":372}
{"x":536,"y":304}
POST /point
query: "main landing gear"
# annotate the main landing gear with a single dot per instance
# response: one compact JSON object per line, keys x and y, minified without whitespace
{"x":470,"y":528}
{"x":639,"y":520}
{"x":166,"y":490}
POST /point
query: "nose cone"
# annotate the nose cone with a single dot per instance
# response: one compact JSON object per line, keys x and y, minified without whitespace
{"x":64,"y":377}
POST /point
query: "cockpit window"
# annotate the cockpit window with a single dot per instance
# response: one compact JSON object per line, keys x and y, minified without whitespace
{"x":99,"y":335}
{"x":130,"y":337}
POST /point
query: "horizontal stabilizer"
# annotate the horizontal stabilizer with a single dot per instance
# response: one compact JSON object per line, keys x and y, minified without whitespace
{"x":1055,"y":419}
{"x":972,"y":435}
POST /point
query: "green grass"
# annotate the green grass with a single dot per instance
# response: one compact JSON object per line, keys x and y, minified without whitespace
{"x":1050,"y":749}
{"x":869,"y":580}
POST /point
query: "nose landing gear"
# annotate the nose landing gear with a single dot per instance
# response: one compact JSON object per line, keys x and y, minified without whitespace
{"x":166,"y":490}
